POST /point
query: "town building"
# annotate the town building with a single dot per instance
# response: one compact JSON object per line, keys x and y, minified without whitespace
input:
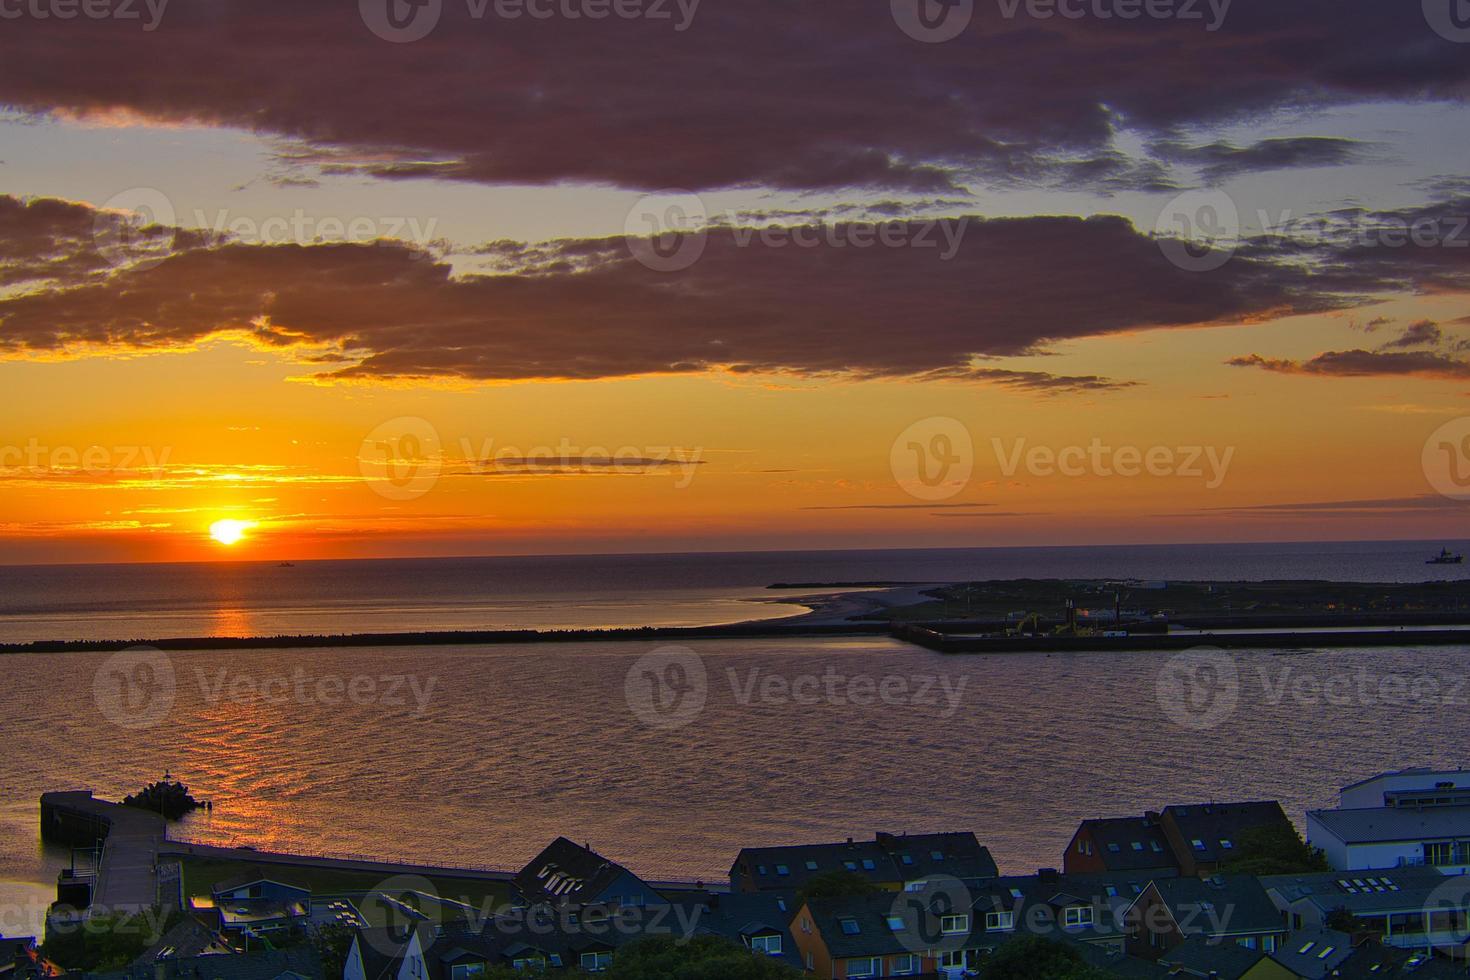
{"x":1410,"y":818}
{"x":1222,"y":908}
{"x":889,"y":861}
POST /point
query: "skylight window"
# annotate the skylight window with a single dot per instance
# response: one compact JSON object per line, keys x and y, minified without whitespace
{"x":850,"y":927}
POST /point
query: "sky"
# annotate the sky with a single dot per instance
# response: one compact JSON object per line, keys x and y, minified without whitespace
{"x":451,"y":277}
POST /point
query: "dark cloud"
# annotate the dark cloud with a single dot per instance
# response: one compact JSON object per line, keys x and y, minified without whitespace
{"x":586,"y":308}
{"x":816,"y":94}
{"x":1379,"y":506}
{"x":1221,"y":161}
{"x":1364,"y":364}
{"x":1425,"y":333}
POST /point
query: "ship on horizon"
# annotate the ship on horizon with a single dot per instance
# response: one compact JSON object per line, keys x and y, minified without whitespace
{"x":1446,"y":558}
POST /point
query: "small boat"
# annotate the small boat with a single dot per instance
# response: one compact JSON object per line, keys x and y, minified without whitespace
{"x":287,"y":564}
{"x":1445,"y":558}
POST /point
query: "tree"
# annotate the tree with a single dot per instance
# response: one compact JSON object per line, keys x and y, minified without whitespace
{"x":104,"y":942}
{"x":836,"y":884}
{"x":1344,"y":921}
{"x":701,"y":958}
{"x":1275,"y":849}
{"x":332,"y":942}
{"x":1038,"y":958}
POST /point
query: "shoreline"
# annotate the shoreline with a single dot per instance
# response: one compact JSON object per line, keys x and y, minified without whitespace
{"x":896,"y":610}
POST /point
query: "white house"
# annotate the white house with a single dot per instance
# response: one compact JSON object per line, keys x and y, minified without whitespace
{"x":1411,"y":818}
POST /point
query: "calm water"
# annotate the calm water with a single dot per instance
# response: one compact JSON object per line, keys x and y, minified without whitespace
{"x":230,"y":599}
{"x":508,"y":746}
{"x":516,"y":744}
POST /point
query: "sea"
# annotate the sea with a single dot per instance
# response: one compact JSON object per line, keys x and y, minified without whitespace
{"x":466,"y":755}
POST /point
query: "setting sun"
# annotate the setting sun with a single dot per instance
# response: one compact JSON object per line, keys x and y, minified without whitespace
{"x":229,"y":531}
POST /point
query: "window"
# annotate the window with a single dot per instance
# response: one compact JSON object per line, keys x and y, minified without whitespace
{"x":1158,"y":848}
{"x":596,"y":962}
{"x":770,"y":945}
{"x":850,"y":865}
{"x":895,"y":922}
{"x":529,"y":963}
{"x":1439,"y":854}
{"x":1113,"y":848}
{"x":467,"y":971}
{"x":849,"y":927}
{"x":760,"y":869}
{"x":782,"y":870}
{"x":1226,"y":844}
{"x":1249,"y":942}
{"x":937,"y":855}
{"x":950,"y":959}
{"x":868,"y":966}
{"x":908,"y":860}
{"x":1080,"y":915}
{"x":781,"y":904}
{"x":811,"y":865}
{"x":906,"y":964}
{"x":1000,"y":921}
{"x":1269,"y":944}
{"x":954,"y":924}
{"x":868,"y":864}
{"x":1197,"y":844}
{"x":1112,"y":891}
{"x":1138,"y":845}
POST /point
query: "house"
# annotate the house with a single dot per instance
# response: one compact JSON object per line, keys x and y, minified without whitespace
{"x":1398,"y":819}
{"x":1314,"y":954}
{"x":376,"y":953}
{"x":1411,"y":908}
{"x":1195,"y":840}
{"x":1205,"y":836}
{"x":1408,"y":787}
{"x":1233,"y":908}
{"x":295,"y":963}
{"x":889,"y":861}
{"x":257,"y":886}
{"x":1371,"y":961}
{"x":1133,"y":844}
{"x":571,"y":874}
{"x":187,"y":938}
{"x":254,"y":902}
{"x":884,"y":935}
{"x":1221,"y":959}
{"x":1089,"y":909}
{"x":565,"y":937}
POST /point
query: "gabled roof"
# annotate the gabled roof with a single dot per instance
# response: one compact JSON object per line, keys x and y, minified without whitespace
{"x":251,"y":876}
{"x":1039,"y":901}
{"x":1225,"y":905}
{"x":1128,"y":843}
{"x":859,"y":925}
{"x":189,"y":937}
{"x":1314,"y":953}
{"x":381,"y":949}
{"x":1203,"y":956}
{"x":887,"y":858}
{"x":1217,"y":827}
{"x":272,"y":965}
{"x":567,"y":874}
